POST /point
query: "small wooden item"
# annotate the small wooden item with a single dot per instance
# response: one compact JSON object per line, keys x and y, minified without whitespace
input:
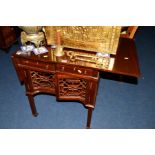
{"x":7,"y":36}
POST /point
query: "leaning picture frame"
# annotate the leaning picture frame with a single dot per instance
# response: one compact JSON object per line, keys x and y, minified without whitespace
{"x":90,"y":38}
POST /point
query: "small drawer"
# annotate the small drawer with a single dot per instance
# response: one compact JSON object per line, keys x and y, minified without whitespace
{"x":64,"y":68}
{"x":76,"y":70}
{"x":38,"y":64}
{"x":80,"y":70}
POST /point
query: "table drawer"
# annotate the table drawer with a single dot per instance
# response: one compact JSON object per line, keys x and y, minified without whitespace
{"x":37,"y":64}
{"x":77,"y":70}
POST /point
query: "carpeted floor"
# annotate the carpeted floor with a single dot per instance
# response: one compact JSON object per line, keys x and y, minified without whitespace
{"x":119,"y":105}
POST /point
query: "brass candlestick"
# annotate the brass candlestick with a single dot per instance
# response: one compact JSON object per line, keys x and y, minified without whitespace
{"x":59,"y":51}
{"x":59,"y":48}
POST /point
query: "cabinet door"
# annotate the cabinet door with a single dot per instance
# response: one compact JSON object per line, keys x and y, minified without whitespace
{"x":76,"y":88}
{"x":37,"y":76}
{"x":39,"y":81}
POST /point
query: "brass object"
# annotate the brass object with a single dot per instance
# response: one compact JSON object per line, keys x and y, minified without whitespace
{"x":32,"y":34}
{"x":98,"y":60}
{"x":59,"y":51}
{"x":90,"y":38}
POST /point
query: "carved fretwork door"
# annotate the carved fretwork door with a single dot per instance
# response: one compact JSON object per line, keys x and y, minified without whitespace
{"x":77,"y":88}
{"x":43,"y":81}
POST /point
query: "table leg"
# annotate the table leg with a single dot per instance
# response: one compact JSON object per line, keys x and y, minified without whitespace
{"x":89,"y":117}
{"x":32,"y":105}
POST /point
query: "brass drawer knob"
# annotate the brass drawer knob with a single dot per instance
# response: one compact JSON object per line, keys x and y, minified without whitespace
{"x":62,"y":68}
{"x":79,"y":71}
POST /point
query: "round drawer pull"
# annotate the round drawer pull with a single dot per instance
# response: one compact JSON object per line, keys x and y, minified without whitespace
{"x":62,"y":68}
{"x":79,"y":71}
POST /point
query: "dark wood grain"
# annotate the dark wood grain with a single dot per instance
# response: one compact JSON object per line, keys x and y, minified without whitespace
{"x":7,"y":36}
{"x":126,"y":62}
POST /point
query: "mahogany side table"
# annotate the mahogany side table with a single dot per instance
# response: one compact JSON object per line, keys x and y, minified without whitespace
{"x":67,"y":80}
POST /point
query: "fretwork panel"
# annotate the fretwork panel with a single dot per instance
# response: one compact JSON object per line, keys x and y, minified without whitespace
{"x":73,"y":87}
{"x":42,"y":80}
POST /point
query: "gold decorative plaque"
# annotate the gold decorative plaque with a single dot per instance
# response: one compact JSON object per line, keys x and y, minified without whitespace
{"x":91,"y":38}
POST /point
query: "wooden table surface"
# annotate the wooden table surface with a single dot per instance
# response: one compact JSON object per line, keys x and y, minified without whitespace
{"x":126,"y":61}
